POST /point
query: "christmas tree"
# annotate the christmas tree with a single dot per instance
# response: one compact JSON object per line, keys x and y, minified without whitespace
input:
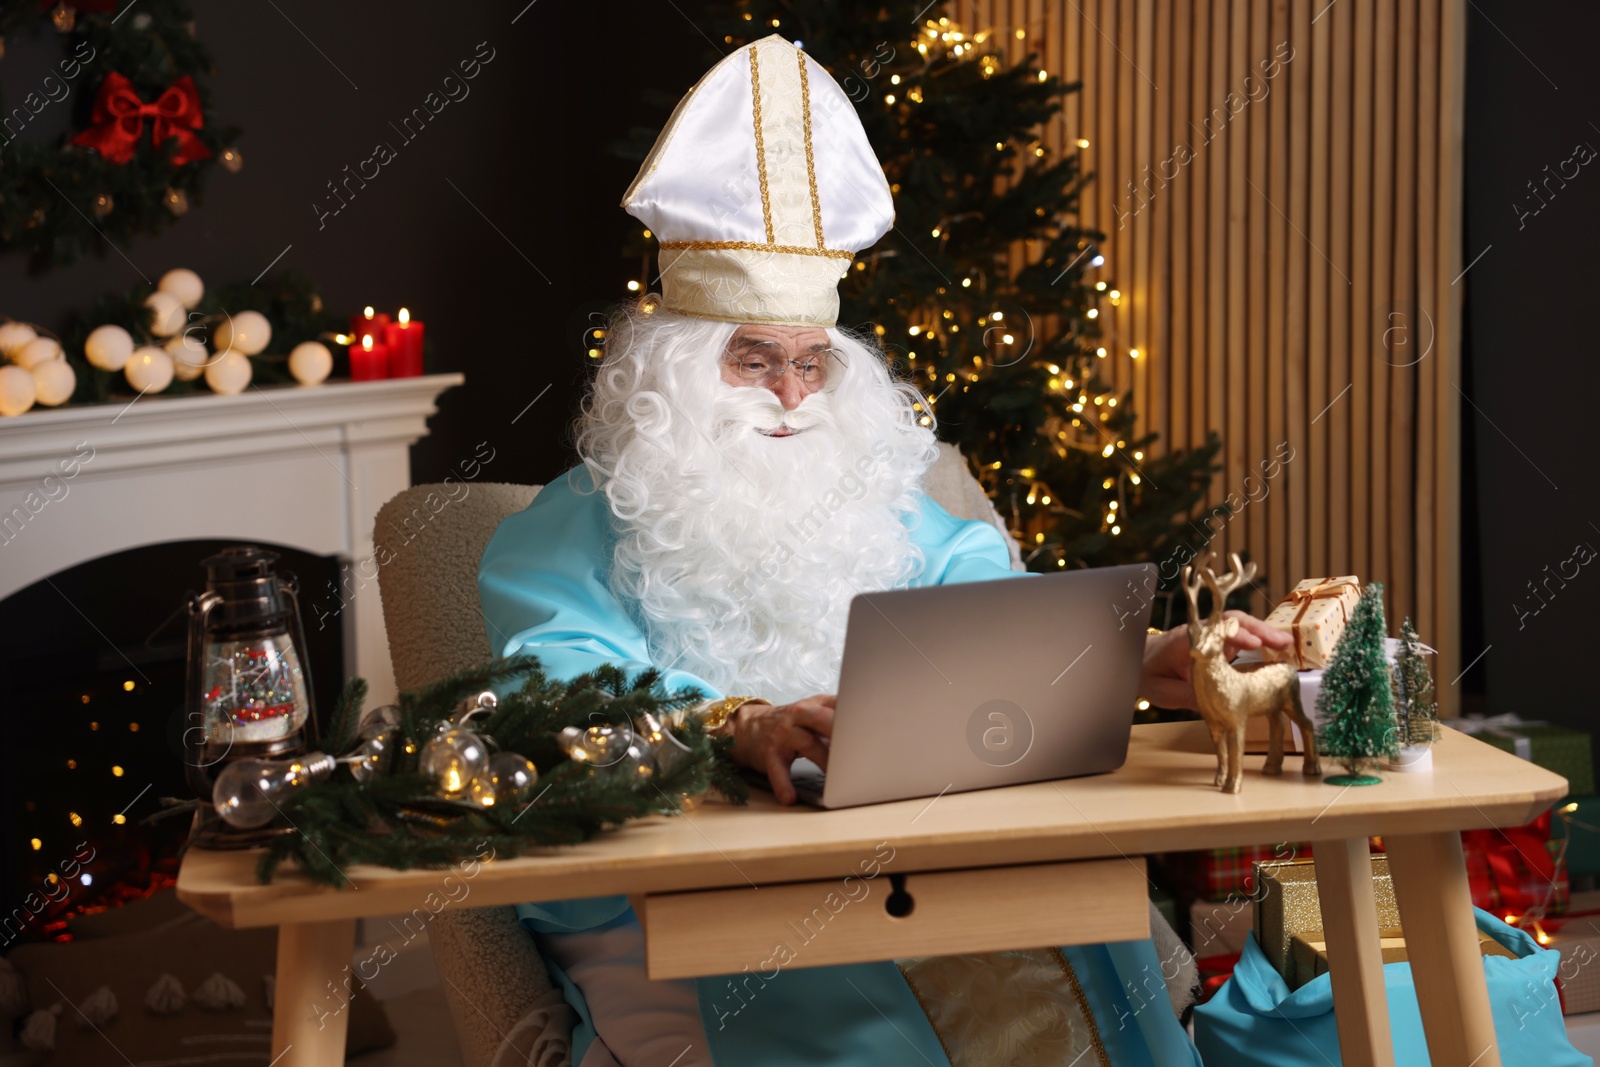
{"x":1416,"y":714}
{"x":1356,"y":702}
{"x":1007,"y":348}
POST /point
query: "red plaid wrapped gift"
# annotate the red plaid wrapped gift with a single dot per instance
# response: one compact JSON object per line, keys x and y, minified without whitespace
{"x":1517,"y":872}
{"x":1220,"y":873}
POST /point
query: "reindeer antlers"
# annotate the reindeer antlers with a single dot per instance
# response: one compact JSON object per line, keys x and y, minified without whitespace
{"x":1239,"y":574}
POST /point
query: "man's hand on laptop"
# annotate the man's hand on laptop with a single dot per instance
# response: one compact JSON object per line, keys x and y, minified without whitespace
{"x":768,"y":738}
{"x":1166,"y":682}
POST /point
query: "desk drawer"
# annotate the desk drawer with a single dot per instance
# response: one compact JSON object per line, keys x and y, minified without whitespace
{"x":852,"y":919}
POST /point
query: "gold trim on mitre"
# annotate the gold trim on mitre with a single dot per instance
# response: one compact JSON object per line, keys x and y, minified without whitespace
{"x":761,"y":130}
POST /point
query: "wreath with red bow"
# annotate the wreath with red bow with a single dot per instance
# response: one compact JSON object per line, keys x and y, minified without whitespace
{"x":140,"y":137}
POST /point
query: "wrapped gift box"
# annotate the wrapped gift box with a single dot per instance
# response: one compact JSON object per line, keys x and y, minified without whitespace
{"x":1314,"y":614}
{"x":1220,"y":873}
{"x":1518,"y":871}
{"x":1577,"y":823}
{"x":1578,"y":941}
{"x":1287,"y":905}
{"x":1309,"y":957}
{"x":1555,"y":748}
{"x":1219,"y":927}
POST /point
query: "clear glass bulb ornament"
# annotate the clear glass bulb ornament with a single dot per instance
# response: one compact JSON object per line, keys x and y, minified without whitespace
{"x":508,"y":777}
{"x":483,"y":703}
{"x":597,"y":746}
{"x":384,"y":715}
{"x":249,"y":792}
{"x":667,"y":753}
{"x":455,"y":758}
{"x":640,"y":757}
{"x":366,"y":759}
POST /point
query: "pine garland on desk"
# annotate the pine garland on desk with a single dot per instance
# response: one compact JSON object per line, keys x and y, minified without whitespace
{"x":397,"y":818}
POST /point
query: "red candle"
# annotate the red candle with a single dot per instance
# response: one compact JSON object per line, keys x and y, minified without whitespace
{"x":404,"y":338}
{"x":368,"y":321}
{"x":369,"y":361}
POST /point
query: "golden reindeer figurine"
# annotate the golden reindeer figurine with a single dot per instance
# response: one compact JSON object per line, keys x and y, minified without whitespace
{"x":1227,"y":696}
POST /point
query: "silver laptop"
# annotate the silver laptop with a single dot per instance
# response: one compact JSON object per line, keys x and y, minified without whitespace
{"x":981,"y":684}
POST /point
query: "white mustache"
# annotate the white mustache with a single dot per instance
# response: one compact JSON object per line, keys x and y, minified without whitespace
{"x":738,"y":408}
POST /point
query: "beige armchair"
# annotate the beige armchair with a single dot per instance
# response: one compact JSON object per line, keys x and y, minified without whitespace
{"x":506,"y":1009}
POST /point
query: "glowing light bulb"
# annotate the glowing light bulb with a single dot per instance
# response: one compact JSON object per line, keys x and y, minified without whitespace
{"x":455,"y":758}
{"x":249,"y":792}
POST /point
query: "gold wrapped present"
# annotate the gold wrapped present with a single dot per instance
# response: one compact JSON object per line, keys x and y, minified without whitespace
{"x":1310,"y":956}
{"x":1287,"y":906}
{"x":1314,"y":614}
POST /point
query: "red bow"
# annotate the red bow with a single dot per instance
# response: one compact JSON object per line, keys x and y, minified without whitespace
{"x":118,"y":119}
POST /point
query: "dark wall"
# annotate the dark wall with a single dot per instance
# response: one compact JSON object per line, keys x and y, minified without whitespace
{"x":1533,"y":378}
{"x":498,"y":224}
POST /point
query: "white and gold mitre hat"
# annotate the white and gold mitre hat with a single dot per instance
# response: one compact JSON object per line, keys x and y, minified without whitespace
{"x":761,"y":189}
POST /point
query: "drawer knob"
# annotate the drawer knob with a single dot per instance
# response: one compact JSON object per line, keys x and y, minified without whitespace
{"x":900,"y":903}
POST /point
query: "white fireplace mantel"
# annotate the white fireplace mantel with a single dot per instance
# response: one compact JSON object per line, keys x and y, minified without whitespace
{"x":302,"y":466}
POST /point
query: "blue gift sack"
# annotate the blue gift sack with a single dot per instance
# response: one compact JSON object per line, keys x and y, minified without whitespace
{"x":1255,"y":1020}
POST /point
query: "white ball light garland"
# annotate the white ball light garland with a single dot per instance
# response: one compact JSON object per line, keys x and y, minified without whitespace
{"x":108,"y":347}
{"x":247,"y":333}
{"x":189,"y":356}
{"x":166,"y":313}
{"x":184,"y":284}
{"x":13,"y":335}
{"x":17,"y":391}
{"x":53,"y":382}
{"x":149,"y":370}
{"x":35,"y":352}
{"x":310,"y":362}
{"x":229,"y":374}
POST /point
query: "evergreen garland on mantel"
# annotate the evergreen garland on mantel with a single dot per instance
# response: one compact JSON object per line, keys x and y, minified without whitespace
{"x":398,"y":820}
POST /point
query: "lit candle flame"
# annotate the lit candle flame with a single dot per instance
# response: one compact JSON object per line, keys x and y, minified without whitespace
{"x":405,"y":316}
{"x":367,"y":311}
{"x":366,"y":342}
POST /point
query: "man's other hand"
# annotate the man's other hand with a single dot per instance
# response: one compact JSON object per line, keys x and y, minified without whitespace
{"x":768,"y":738}
{"x":1166,"y":681}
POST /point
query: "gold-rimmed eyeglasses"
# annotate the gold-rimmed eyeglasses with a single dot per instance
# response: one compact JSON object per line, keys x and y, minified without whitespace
{"x":765,"y":362}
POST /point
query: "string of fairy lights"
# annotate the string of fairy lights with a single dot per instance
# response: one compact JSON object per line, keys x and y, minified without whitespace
{"x":936,"y":327}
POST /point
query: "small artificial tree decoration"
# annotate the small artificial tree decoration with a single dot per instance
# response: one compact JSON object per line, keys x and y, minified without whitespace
{"x":1356,"y":702}
{"x":1416,"y":713}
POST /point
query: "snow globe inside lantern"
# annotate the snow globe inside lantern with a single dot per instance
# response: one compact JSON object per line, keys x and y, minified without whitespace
{"x":248,"y":693}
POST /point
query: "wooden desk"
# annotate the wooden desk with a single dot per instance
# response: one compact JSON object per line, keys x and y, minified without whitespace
{"x":1161,"y":800}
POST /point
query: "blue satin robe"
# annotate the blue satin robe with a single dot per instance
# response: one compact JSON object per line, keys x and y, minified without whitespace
{"x":542,"y":583}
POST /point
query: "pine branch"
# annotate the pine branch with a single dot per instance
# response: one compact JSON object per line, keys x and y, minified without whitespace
{"x":398,"y":820}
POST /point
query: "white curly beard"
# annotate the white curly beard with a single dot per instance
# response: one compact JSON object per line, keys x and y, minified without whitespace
{"x":740,"y":552}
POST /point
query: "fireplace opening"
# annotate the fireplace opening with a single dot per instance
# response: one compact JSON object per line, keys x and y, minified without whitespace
{"x":91,"y":685}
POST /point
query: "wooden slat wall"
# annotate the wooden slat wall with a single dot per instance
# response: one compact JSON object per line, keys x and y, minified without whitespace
{"x":1293,"y":283}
